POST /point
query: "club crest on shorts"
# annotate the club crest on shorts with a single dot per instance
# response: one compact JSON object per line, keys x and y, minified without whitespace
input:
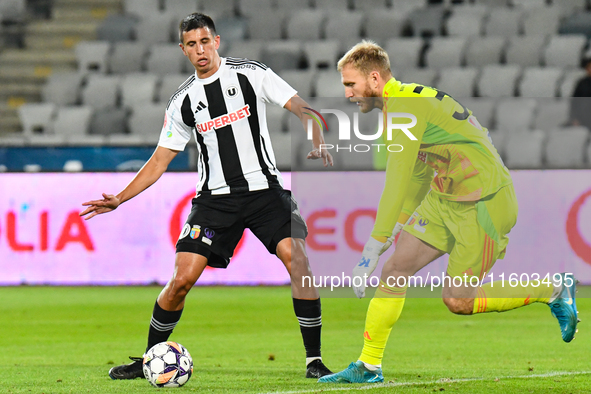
{"x":186,"y":230}
{"x":195,"y":231}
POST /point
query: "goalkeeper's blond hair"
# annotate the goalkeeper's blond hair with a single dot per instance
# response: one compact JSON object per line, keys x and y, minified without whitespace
{"x":367,"y":56}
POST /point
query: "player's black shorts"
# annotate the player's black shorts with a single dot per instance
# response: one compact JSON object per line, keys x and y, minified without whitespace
{"x":216,"y":223}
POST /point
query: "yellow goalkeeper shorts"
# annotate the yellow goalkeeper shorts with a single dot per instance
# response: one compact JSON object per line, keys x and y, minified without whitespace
{"x":473,"y":233}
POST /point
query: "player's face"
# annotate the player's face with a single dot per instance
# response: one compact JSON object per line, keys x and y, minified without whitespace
{"x":200,"y":46}
{"x":358,"y":89}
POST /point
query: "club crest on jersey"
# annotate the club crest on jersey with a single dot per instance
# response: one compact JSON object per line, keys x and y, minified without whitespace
{"x":231,"y":91}
{"x":224,"y":120}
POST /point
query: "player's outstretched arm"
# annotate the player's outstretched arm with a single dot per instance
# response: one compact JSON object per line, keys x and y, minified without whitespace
{"x":146,"y":177}
{"x":297,"y":106}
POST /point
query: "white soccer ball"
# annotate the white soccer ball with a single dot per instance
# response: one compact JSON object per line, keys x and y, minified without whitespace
{"x":168,"y":364}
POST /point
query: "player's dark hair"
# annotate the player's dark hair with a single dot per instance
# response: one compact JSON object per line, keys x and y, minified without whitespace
{"x":194,"y":21}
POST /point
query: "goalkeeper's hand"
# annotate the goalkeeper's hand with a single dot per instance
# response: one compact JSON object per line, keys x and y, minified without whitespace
{"x":370,"y":256}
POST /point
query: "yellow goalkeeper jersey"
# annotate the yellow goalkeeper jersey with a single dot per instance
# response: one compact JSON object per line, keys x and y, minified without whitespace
{"x":449,"y":141}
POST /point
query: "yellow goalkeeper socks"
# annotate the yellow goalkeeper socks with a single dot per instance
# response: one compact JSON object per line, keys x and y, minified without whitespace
{"x":499,"y":296}
{"x":383,"y":311}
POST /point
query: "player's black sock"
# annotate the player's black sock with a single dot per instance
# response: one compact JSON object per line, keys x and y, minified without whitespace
{"x":309,"y":316}
{"x":162,"y":324}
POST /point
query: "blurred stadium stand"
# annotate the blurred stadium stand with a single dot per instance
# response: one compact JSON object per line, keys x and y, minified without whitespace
{"x":98,"y":72}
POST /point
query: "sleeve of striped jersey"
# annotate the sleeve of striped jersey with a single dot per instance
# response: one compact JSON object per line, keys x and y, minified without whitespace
{"x":175,"y":133}
{"x":399,"y":170}
{"x":276,"y":90}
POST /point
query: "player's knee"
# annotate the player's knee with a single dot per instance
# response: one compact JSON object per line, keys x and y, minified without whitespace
{"x":180,"y":287}
{"x":459,"y":306}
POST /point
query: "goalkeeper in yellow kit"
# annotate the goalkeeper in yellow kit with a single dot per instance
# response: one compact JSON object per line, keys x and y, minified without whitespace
{"x":466,"y":209}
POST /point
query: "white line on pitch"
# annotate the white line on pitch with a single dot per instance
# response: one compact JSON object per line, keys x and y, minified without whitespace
{"x":323,"y":386}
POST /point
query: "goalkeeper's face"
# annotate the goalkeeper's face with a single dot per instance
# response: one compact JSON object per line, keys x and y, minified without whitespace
{"x":360,"y":90}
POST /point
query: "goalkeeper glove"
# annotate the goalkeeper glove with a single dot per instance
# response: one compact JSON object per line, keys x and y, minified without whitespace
{"x":370,"y":256}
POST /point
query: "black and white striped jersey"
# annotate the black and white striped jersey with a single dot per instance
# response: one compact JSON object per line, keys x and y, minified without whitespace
{"x":226,"y":114}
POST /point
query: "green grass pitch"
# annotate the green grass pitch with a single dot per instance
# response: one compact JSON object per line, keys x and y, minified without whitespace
{"x":246,"y":339}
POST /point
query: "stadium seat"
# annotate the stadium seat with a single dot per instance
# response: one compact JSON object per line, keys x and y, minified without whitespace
{"x":128,"y":56}
{"x":47,"y":140}
{"x":525,"y":51}
{"x":293,"y":5}
{"x":146,"y":121}
{"x":328,"y":84}
{"x":117,"y":28}
{"x":565,"y":147}
{"x":422,"y":76}
{"x":170,"y":84}
{"x":466,"y":20}
{"x":485,"y":50}
{"x":458,"y":82}
{"x":250,"y":8}
{"x":62,"y":88}
{"x":282,"y":149}
{"x":524,"y":149}
{"x":577,"y":23}
{"x":565,"y":51}
{"x":571,"y":77}
{"x":305,"y":24}
{"x":220,"y":8}
{"x":515,"y":114}
{"x":92,"y":56}
{"x":283,"y":55}
{"x":483,"y":108}
{"x":267,"y":25}
{"x":569,"y":7}
{"x":109,"y":121}
{"x":552,"y":114}
{"x":141,"y":8}
{"x":407,"y":6}
{"x":101,"y":91}
{"x":72,"y":121}
{"x":155,"y":28}
{"x":499,"y":140}
{"x":300,"y":80}
{"x":527,"y":3}
{"x":382,"y":25}
{"x":427,"y":22}
{"x":492,"y":3}
{"x":332,"y":5}
{"x":368,"y":5}
{"x":540,"y":82}
{"x":504,"y":22}
{"x":138,"y":89}
{"x":404,"y":52}
{"x":498,"y":80}
{"x":322,"y":53}
{"x":13,"y":11}
{"x":36,"y":118}
{"x":341,"y":25}
{"x":250,"y":49}
{"x":167,"y":59}
{"x":542,"y":21}
{"x":181,"y":8}
{"x":446,"y":52}
{"x":231,"y":28}
{"x":276,"y":119}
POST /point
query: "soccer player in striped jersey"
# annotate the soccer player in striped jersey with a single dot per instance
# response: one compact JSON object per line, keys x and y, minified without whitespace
{"x":466,"y":210}
{"x":223,"y":106}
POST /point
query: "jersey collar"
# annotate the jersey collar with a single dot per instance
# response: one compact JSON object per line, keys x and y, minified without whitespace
{"x":214,"y":76}
{"x":391,"y":87}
